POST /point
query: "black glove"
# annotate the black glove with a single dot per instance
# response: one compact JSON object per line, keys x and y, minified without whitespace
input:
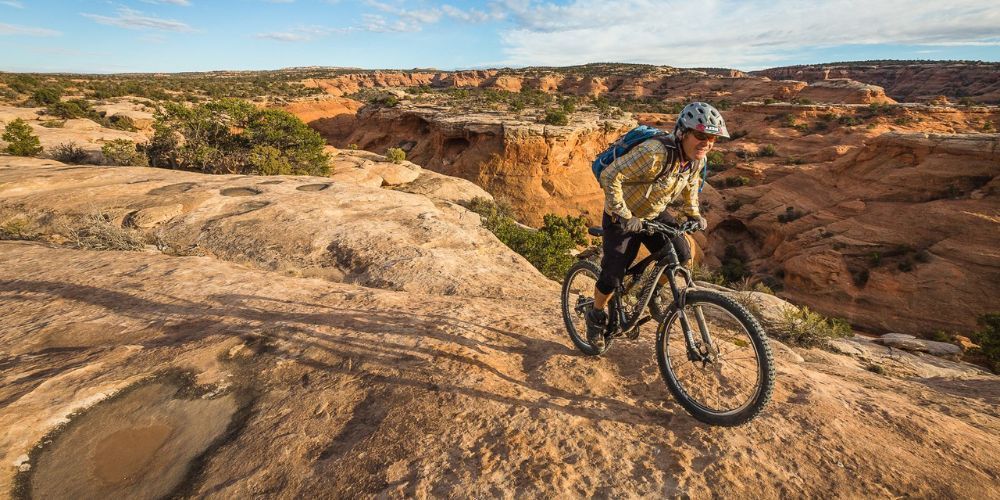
{"x":633,"y":225}
{"x":702,"y":223}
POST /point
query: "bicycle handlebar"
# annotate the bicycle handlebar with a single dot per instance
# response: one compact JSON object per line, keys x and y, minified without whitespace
{"x":651,"y":227}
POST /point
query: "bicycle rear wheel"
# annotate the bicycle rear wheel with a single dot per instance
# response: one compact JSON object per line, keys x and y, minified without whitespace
{"x":732,"y":381}
{"x":577,"y":299}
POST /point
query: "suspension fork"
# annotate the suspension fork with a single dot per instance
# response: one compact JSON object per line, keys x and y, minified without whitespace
{"x":696,"y":351}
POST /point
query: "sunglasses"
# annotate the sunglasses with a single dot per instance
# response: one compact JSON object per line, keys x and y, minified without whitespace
{"x":701,"y":136}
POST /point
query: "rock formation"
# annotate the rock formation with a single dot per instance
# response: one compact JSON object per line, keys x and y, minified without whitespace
{"x":898,"y":234}
{"x":538,"y":168}
{"x":297,"y":336}
{"x":907,"y":81}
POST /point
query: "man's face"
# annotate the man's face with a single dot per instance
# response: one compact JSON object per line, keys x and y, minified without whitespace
{"x":697,"y":144}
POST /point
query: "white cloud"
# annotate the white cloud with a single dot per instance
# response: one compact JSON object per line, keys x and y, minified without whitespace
{"x":302,"y":34}
{"x":731,"y":33}
{"x":13,"y":29}
{"x":396,"y":18}
{"x":135,"y":20}
{"x":182,"y":3}
{"x":12,"y":3}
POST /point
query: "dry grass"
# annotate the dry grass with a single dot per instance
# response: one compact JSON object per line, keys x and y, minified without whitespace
{"x":99,"y":232}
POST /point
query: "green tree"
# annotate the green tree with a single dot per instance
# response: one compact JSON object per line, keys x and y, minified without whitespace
{"x":20,"y":140}
{"x":45,"y":96}
{"x":234,"y":136}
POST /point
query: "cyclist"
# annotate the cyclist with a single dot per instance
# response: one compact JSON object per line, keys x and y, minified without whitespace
{"x":638,"y":186}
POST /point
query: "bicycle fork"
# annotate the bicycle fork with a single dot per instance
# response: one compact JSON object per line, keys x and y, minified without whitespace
{"x":704,"y":350}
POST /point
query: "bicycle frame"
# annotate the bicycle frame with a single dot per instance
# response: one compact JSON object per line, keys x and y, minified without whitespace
{"x":628,"y":322}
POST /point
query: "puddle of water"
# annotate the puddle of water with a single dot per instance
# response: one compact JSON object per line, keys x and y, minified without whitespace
{"x":138,"y":445}
{"x":123,"y":453}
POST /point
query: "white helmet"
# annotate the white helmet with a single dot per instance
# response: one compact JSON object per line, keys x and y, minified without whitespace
{"x":702,"y":117}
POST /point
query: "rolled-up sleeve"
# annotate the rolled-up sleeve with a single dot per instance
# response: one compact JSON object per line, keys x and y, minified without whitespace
{"x":690,"y":194}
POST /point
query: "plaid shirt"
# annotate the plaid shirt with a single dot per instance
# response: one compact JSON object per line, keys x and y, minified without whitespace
{"x":631,"y":188}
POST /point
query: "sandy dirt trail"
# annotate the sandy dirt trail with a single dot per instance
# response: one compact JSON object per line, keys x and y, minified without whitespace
{"x":330,"y":389}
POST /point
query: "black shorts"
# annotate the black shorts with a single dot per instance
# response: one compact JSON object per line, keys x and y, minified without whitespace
{"x":620,"y":249}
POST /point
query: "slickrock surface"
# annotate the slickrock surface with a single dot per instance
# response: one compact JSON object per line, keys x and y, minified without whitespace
{"x":309,"y":387}
{"x":311,"y":226}
{"x":907,"y":81}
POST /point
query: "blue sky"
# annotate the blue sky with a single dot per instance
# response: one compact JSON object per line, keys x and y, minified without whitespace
{"x":103,"y":36}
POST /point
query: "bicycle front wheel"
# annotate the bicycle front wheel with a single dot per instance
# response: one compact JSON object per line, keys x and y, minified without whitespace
{"x":729,"y":377}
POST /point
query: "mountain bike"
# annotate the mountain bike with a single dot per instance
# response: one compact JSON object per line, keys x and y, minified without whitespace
{"x":712,"y":353}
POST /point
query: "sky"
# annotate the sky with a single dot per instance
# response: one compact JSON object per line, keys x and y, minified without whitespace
{"x":105,"y":36}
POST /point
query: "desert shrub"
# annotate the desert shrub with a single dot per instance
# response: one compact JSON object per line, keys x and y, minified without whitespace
{"x":556,"y":117}
{"x":98,"y":231}
{"x":966,"y":101}
{"x":860,"y":277}
{"x":736,"y":181}
{"x":352,"y":146}
{"x":789,"y":120}
{"x":23,"y":84}
{"x":395,"y":155}
{"x":769,"y":100}
{"x":76,"y":108}
{"x":790,"y":214}
{"x":69,"y":152}
{"x":988,"y":338}
{"x":121,"y":122}
{"x":568,"y":105}
{"x":44,"y":96}
{"x":123,"y":152}
{"x":546,"y":248}
{"x":768,"y":150}
{"x":16,"y":229}
{"x":987,"y":126}
{"x":53,"y":123}
{"x":716,"y":160}
{"x":20,"y":140}
{"x":234,"y":136}
{"x":848,"y":121}
{"x":734,"y":266}
{"x":800,"y":326}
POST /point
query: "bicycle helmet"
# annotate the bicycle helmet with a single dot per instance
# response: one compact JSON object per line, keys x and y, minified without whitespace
{"x":702,"y":117}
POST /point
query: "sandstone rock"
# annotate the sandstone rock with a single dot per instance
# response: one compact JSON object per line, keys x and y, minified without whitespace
{"x":540,"y":169}
{"x":393,"y":174}
{"x":909,"y":81}
{"x":911,"y":343}
{"x":151,"y":216}
{"x":298,"y":225}
{"x":356,"y":382}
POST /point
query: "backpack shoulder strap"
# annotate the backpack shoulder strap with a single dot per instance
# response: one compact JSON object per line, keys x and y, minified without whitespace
{"x":673,"y":154}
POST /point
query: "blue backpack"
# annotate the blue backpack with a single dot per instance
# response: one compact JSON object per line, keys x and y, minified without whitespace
{"x":625,"y":143}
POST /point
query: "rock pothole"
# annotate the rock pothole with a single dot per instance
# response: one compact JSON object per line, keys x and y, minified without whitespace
{"x":268,"y":183}
{"x":313,"y":187}
{"x":239,"y":191}
{"x":178,"y":188}
{"x":141,"y":444}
